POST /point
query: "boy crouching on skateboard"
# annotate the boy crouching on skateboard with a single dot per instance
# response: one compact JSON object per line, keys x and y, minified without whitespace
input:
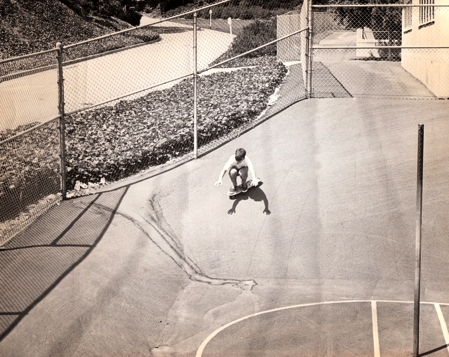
{"x":238,"y":165}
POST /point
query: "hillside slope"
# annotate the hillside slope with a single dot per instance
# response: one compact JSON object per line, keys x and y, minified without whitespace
{"x":28,"y":26}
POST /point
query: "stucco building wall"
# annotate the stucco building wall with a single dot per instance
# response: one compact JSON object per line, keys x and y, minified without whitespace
{"x":430,"y":66}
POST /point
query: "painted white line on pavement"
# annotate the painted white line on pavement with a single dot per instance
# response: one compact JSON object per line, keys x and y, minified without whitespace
{"x":203,"y":345}
{"x":443,"y":324}
{"x":412,"y":302}
{"x":375,"y":329}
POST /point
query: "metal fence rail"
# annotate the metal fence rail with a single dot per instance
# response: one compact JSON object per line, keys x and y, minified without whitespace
{"x":102,"y":113}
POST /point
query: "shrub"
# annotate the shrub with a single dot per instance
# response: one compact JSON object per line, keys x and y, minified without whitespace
{"x":131,"y":17}
{"x":34,"y":186}
{"x":252,"y":36}
{"x":29,"y":169}
{"x":225,"y":11}
{"x":393,"y":54}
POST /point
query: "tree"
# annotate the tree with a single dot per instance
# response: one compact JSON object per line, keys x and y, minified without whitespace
{"x":379,"y":19}
{"x":166,"y":5}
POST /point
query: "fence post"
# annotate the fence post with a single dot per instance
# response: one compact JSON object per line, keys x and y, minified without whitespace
{"x":309,"y":49}
{"x":60,"y":48}
{"x":195,"y":84}
{"x":389,"y":44}
{"x":419,"y":190}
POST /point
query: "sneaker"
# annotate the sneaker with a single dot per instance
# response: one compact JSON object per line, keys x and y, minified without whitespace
{"x":244,"y":187}
{"x":233,"y":190}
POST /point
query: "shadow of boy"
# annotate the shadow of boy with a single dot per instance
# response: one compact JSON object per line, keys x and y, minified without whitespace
{"x":256,"y":194}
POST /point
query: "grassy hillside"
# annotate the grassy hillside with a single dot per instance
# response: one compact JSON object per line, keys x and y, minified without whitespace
{"x":28,"y":26}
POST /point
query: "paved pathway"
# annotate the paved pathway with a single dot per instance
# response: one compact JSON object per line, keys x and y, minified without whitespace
{"x":339,"y":73}
{"x":158,"y":266}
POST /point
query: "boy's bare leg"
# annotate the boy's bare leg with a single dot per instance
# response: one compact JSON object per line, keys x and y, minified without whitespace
{"x":244,"y":175}
{"x":233,"y":173}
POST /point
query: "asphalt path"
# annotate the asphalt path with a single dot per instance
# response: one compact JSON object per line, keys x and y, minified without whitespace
{"x":317,"y":261}
{"x":34,"y":98}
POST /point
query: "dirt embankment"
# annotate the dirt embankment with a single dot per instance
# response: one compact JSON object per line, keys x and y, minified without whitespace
{"x":29,"y":26}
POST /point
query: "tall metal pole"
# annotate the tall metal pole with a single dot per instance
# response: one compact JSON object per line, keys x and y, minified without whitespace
{"x":61,"y":103}
{"x":310,"y":50}
{"x":418,"y":240}
{"x":195,"y":89}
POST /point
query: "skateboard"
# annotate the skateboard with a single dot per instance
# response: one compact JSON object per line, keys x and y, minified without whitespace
{"x":249,"y":184}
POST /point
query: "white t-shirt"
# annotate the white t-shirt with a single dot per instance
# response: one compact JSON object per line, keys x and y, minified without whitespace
{"x":233,"y":163}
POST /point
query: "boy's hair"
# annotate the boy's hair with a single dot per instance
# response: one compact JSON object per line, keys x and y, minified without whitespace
{"x":240,"y":154}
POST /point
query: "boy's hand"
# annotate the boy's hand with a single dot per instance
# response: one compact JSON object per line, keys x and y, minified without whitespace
{"x":218,"y":183}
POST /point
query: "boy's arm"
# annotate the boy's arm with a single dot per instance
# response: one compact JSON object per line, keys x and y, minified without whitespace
{"x":220,"y":177}
{"x":251,"y":170}
{"x":223,"y":171}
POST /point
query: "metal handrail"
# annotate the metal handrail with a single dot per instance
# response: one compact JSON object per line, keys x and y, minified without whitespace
{"x":27,"y":56}
{"x":378,"y":5}
{"x":320,"y":47}
{"x":28,"y":130}
{"x":26,"y":72}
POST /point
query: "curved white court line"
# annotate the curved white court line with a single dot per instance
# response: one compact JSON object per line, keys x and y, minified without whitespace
{"x":203,"y":345}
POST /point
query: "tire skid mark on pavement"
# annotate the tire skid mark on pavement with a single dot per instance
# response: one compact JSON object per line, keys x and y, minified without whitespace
{"x":373,"y":303}
{"x":167,"y":243}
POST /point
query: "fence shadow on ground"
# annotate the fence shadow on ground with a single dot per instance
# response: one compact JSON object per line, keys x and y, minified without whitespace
{"x":37,"y":260}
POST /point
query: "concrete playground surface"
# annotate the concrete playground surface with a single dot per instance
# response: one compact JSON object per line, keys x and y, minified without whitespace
{"x":317,"y":261}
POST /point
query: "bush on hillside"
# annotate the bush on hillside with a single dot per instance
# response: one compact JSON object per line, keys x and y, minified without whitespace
{"x":255,"y":35}
{"x":233,"y":8}
{"x":29,"y":169}
{"x":252,"y":36}
{"x":243,"y":12}
{"x":29,"y":26}
{"x":114,"y":8}
{"x":33,"y":26}
{"x":223,"y":12}
{"x":131,"y":17}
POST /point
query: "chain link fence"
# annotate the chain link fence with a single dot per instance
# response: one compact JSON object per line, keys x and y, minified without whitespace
{"x":380,"y":51}
{"x":175,"y":88}
{"x":201,"y":84}
{"x":30,"y":180}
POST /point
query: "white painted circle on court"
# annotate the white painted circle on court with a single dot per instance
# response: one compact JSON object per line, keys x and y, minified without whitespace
{"x":203,"y":345}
